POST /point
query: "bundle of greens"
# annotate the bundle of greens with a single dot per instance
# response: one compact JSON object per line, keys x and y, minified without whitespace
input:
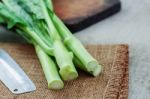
{"x":57,"y":49}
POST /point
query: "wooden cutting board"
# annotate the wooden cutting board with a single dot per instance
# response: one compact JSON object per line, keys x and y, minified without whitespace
{"x":79,"y":14}
{"x":111,"y":84}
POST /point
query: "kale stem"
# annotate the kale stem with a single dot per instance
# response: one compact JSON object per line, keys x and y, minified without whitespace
{"x":74,"y":45}
{"x":50,"y":69}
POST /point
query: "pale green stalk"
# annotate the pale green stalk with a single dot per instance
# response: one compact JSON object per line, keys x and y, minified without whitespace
{"x":62,"y":55}
{"x":50,"y":70}
{"x":74,"y":45}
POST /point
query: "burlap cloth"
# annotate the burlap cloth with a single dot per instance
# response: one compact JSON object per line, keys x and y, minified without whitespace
{"x":112,"y":84}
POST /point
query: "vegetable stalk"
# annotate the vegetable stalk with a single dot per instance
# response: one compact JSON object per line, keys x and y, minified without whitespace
{"x":36,"y":21}
{"x":62,"y":55}
{"x":74,"y":45}
{"x":50,"y":70}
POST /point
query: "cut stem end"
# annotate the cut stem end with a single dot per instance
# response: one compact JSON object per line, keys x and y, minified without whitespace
{"x":97,"y":71}
{"x":68,"y":73}
{"x":56,"y":85}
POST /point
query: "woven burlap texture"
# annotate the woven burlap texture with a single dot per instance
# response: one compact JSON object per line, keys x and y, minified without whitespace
{"x":111,"y":84}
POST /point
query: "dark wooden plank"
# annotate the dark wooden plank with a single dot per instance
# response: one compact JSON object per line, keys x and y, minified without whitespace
{"x":79,"y":14}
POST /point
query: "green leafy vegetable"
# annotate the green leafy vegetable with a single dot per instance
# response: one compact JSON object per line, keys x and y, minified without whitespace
{"x":36,"y":21}
{"x":88,"y":62}
{"x":42,"y":16}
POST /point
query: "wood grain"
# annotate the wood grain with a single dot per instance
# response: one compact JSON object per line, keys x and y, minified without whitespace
{"x":73,"y":9}
{"x":79,"y":14}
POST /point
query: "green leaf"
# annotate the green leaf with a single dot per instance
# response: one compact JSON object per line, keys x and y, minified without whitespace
{"x":9,"y":17}
{"x":39,"y":12}
{"x":13,"y":6}
{"x":35,"y":10}
{"x":32,"y":7}
{"x":1,"y":19}
{"x":35,"y":7}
